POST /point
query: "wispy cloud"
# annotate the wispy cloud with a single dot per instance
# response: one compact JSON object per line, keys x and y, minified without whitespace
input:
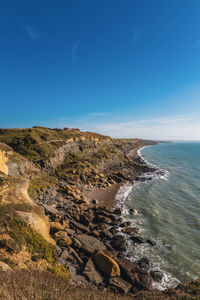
{"x":134,"y":36}
{"x":74,"y":51}
{"x":31,"y":31}
{"x":180,"y":127}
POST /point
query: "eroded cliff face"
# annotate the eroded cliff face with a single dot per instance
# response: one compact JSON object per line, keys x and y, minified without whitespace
{"x":13,"y":191}
{"x":3,"y":159}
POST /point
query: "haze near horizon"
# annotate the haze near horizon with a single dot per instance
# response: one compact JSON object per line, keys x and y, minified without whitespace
{"x":121,"y":68}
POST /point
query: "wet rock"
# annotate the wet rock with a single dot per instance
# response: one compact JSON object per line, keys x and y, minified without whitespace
{"x":120,"y":285}
{"x":125,"y":224}
{"x":156,"y":275}
{"x":119,"y":243}
{"x":138,"y":239}
{"x":131,"y":272}
{"x":114,"y":230}
{"x":144,"y":263}
{"x":106,"y":264}
{"x":151,"y":243}
{"x":130,"y":230}
{"x":102,"y":219}
{"x":91,"y":273}
{"x":118,"y":211}
{"x":89,"y":243}
{"x":133,"y":211}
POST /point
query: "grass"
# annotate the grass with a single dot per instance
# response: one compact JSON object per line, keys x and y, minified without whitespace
{"x":20,"y":234}
{"x":43,"y":285}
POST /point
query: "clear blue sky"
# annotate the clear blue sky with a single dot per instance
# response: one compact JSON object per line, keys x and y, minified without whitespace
{"x":120,"y":67}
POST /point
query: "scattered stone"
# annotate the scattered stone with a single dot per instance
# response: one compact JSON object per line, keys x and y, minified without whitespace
{"x":62,"y":238}
{"x":64,"y":254}
{"x":118,"y":211}
{"x":144,"y":263}
{"x":81,"y":227}
{"x":137,"y":239}
{"x":106,"y":264}
{"x":58,"y":249}
{"x":56,"y":226}
{"x":133,"y":211}
{"x":151,"y":243}
{"x":125,"y":224}
{"x":156,"y":275}
{"x":91,"y":273}
{"x":120,"y":285}
{"x":89,"y":243}
{"x":130,"y":230}
{"x":119,"y":243}
{"x":131,"y":272}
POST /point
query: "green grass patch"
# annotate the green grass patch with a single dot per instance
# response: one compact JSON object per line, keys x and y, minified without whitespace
{"x":21,"y":234}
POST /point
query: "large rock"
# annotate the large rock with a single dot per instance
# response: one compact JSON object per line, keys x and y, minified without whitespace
{"x":106,"y":264}
{"x":56,"y":226}
{"x":4,"y":267}
{"x":131,"y":272}
{"x":91,"y":273}
{"x":79,"y":226}
{"x":62,"y":238}
{"x":89,"y":243}
{"x":120,"y":285}
{"x":3,"y":159}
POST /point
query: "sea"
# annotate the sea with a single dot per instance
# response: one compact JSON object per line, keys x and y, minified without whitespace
{"x":168,"y":212}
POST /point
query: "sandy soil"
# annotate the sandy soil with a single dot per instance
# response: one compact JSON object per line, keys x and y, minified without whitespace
{"x":106,"y":197}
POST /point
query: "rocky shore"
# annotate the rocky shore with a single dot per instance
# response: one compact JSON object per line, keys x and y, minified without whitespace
{"x":73,"y":181}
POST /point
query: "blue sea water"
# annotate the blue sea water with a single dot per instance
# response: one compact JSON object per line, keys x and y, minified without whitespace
{"x":169,"y":212}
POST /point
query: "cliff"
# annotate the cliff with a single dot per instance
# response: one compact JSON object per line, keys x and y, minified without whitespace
{"x":51,"y":221}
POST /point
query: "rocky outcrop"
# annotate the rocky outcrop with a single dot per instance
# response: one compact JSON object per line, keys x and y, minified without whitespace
{"x":106,"y":264}
{"x":3,"y":159}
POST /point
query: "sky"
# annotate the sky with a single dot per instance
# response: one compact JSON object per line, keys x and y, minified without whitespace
{"x":124,"y":68}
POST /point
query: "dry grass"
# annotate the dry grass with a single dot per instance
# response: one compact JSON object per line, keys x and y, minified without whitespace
{"x":43,"y":285}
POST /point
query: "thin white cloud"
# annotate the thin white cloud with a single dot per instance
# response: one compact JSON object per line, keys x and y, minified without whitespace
{"x":74,"y":51}
{"x":180,"y":127}
{"x":31,"y":31}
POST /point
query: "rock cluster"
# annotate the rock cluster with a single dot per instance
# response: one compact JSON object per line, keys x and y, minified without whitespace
{"x":93,"y":249}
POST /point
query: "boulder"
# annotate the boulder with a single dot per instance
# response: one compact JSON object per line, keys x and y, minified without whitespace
{"x":125,"y":224}
{"x":156,"y":275}
{"x":120,"y":285}
{"x":118,"y":211}
{"x":119,"y":243}
{"x":151,"y":243}
{"x":131,"y":272}
{"x":130,"y":230}
{"x":106,"y":264}
{"x":81,"y":227}
{"x":4,"y":267}
{"x":91,"y":273}
{"x":62,"y":238}
{"x":144,"y":263}
{"x":56,"y":226}
{"x":138,"y":239}
{"x":89,"y":243}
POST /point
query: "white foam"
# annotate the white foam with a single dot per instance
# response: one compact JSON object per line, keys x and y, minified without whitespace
{"x":123,"y":193}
